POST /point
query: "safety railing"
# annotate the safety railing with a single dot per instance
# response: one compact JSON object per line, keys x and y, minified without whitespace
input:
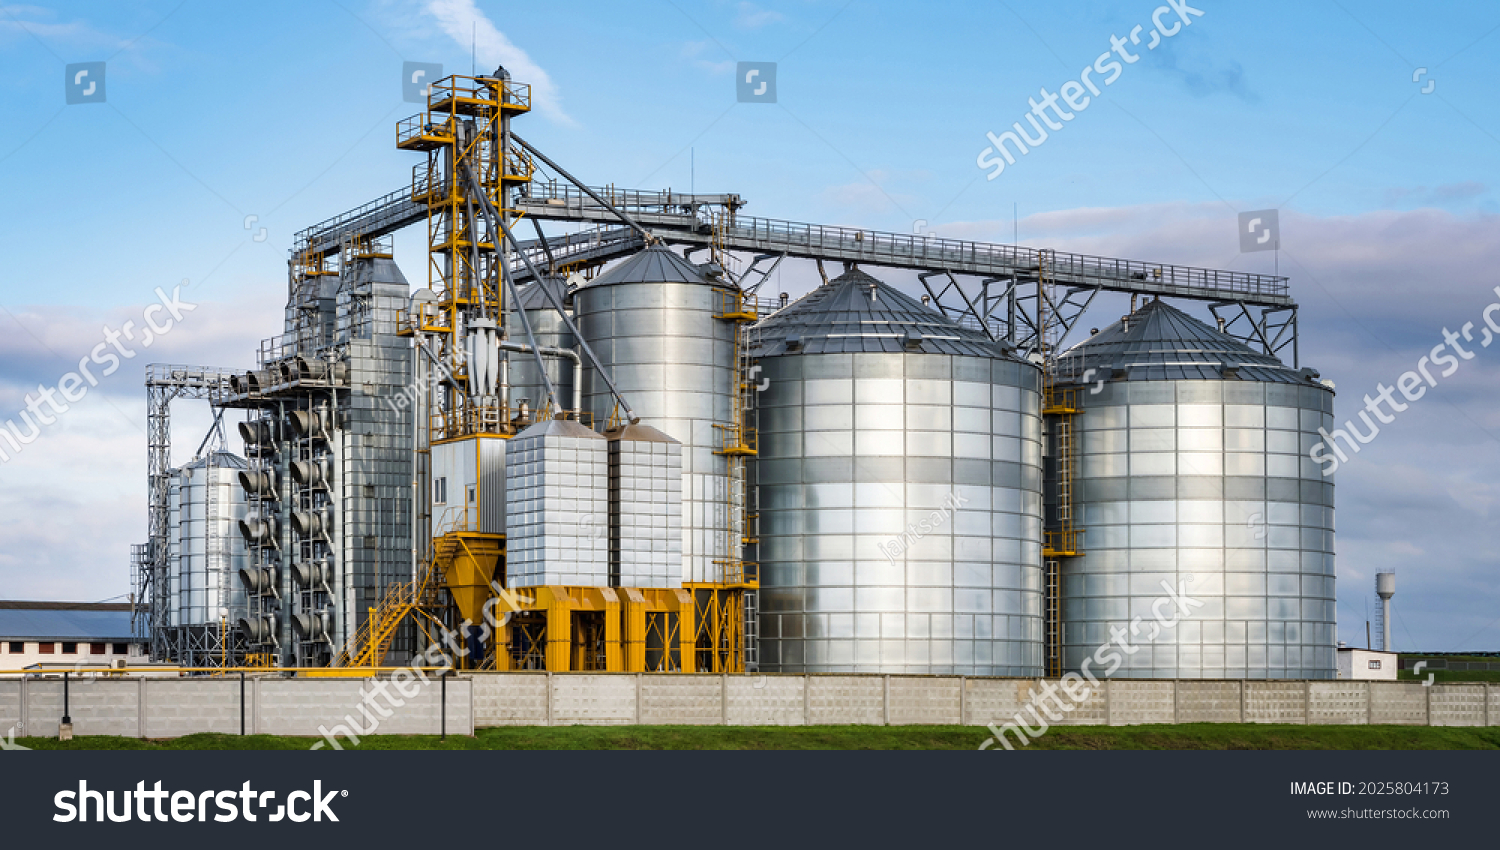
{"x":937,"y":252}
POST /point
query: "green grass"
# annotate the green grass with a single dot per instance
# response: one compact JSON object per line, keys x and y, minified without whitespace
{"x":1201,"y":736}
{"x":1417,"y":656}
{"x":1450,"y":675}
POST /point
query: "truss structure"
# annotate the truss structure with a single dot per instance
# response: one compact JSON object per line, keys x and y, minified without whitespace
{"x":165,"y":384}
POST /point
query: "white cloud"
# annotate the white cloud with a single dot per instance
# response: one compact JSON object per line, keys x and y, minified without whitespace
{"x":752,"y":17}
{"x":463,"y":22}
{"x":693,"y":51}
{"x":28,"y":21}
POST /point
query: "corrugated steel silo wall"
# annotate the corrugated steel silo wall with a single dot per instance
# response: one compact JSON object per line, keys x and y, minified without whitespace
{"x":900,"y":500}
{"x":673,"y":362}
{"x":550,"y":331}
{"x":1205,"y":485}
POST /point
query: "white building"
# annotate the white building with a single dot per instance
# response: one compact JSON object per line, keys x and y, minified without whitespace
{"x":64,"y":634}
{"x":1366,"y":664}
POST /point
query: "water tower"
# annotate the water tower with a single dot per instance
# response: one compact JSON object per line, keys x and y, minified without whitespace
{"x":1385,"y":588}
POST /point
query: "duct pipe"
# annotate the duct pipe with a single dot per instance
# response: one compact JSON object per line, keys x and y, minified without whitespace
{"x":550,"y":351}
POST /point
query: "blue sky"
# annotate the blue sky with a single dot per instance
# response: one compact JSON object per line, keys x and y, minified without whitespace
{"x":286,"y":112}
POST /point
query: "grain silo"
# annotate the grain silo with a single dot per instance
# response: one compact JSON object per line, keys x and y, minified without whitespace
{"x":900,"y":490}
{"x":205,"y":507}
{"x":652,"y":322}
{"x":1194,"y":471}
{"x":550,"y":331}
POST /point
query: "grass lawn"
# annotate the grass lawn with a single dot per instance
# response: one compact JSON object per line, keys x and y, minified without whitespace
{"x":1201,"y":736}
{"x":1450,"y":676}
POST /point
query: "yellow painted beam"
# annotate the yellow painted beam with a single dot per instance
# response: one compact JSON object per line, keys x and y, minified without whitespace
{"x":687,"y":632}
{"x":559,"y":607}
{"x":633,"y":629}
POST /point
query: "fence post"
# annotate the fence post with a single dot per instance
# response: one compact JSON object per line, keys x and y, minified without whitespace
{"x":242,"y":702}
{"x":443,"y":706}
{"x":806,"y":696}
{"x":885,"y":701}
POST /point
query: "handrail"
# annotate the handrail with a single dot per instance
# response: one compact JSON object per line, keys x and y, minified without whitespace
{"x":675,"y":221}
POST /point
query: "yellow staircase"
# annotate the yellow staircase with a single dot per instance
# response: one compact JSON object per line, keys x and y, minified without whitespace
{"x":368,"y":646}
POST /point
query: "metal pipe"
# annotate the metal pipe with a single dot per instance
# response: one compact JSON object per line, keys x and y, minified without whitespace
{"x":551,"y":351}
{"x":525,"y":322}
{"x":546,"y":249}
{"x":557,"y":305}
{"x":505,"y":382}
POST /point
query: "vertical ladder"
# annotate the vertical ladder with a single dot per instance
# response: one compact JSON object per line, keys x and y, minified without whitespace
{"x":1059,"y":406}
{"x":728,"y":620}
{"x":1053,"y":619}
{"x":211,"y":547}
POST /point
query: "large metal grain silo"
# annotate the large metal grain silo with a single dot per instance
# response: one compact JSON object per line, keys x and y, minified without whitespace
{"x":1194,"y":471}
{"x":900,"y":490}
{"x":207,"y":552}
{"x":650,"y":320}
{"x":549,"y":329}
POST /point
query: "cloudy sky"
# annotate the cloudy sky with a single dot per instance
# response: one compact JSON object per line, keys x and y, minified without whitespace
{"x":1369,"y":126}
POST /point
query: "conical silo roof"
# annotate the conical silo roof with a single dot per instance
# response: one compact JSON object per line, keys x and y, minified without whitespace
{"x":656,"y":264}
{"x":1159,"y":342}
{"x":531,"y":296}
{"x":854,"y":312}
{"x":223,"y":460}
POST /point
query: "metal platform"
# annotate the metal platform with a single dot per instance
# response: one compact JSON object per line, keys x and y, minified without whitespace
{"x":672,"y":216}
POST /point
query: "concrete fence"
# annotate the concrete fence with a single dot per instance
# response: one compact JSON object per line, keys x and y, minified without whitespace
{"x":170,"y":708}
{"x":540,"y":699}
{"x":165,"y":708}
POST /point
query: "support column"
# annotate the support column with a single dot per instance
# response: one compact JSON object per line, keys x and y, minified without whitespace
{"x":633,"y":629}
{"x":687,"y":630}
{"x":502,"y":643}
{"x":614,"y":648}
{"x":559,"y":609}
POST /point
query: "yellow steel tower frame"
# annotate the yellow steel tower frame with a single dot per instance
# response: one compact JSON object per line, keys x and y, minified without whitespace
{"x":466,"y":127}
{"x":726,"y":609}
{"x":464,"y":131}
